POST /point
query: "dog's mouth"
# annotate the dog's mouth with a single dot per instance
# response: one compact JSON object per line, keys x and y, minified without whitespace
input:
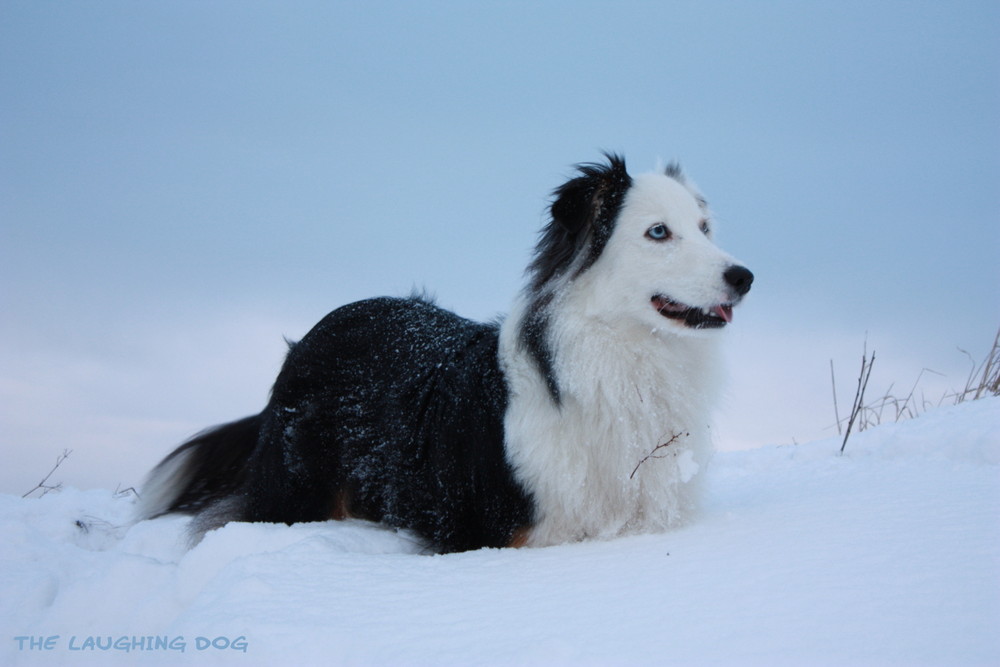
{"x":710,"y":317}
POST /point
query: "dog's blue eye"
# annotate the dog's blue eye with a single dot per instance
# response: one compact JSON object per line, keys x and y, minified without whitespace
{"x":658,"y":232}
{"x":703,"y":226}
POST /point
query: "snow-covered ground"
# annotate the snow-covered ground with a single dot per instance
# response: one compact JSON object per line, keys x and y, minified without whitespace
{"x":889,"y":554}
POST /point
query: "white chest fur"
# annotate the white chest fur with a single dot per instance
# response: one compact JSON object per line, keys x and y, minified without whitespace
{"x":625,"y":449}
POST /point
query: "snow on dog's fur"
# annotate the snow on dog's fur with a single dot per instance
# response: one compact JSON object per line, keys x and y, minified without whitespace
{"x":585,"y":414}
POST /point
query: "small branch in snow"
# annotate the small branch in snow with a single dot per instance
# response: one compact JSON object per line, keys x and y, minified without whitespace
{"x":988,"y":373}
{"x":49,"y":487}
{"x":121,"y":493}
{"x":653,"y":454}
{"x":836,"y":410}
{"x":859,"y":395}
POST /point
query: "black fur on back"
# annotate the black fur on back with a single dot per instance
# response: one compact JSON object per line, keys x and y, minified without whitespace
{"x":583,"y":216}
{"x":389,"y":410}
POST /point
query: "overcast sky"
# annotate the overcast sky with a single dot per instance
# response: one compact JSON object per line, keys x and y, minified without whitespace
{"x":183,"y":184}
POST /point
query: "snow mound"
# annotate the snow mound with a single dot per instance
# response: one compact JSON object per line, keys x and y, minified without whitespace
{"x":889,"y":554}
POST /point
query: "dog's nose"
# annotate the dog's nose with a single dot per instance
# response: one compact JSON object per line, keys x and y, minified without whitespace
{"x":739,"y":278}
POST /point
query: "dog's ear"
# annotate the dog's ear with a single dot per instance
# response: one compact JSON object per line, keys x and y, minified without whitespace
{"x":579,"y":204}
{"x":583,"y":212}
{"x":674,"y":171}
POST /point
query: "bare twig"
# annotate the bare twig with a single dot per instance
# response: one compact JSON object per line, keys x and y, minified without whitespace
{"x":911,"y":399}
{"x":653,"y":454}
{"x":988,"y":373}
{"x":859,"y":395}
{"x":48,"y":487}
{"x":983,"y":380}
{"x":836,"y":410}
{"x":120,"y":492}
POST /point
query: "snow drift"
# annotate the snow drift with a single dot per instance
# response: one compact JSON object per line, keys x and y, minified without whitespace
{"x":889,"y":554}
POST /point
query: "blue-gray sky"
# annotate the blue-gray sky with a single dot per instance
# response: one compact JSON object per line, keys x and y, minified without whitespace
{"x":182,"y":184}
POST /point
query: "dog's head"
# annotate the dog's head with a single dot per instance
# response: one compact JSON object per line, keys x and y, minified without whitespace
{"x":641,"y":248}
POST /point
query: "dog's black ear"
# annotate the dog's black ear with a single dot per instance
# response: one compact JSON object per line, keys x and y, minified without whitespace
{"x":674,"y":171}
{"x":583,"y":212}
{"x":581,"y":203}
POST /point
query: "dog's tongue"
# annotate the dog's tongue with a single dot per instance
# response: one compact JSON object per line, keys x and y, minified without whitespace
{"x":724,"y":311}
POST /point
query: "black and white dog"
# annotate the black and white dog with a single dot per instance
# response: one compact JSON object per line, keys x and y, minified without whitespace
{"x":585,"y":414}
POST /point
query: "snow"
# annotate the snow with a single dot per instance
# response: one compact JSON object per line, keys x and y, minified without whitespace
{"x":889,"y":554}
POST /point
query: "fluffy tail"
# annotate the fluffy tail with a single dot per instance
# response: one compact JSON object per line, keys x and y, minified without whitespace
{"x":205,"y":471}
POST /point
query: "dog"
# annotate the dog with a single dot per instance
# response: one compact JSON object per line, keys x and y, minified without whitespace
{"x":584,"y":414}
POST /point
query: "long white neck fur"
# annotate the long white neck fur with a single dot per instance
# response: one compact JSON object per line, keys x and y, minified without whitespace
{"x":598,"y":462}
